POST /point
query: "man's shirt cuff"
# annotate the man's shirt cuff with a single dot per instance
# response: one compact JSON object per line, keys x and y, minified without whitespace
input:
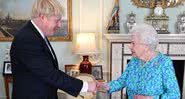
{"x":84,"y":87}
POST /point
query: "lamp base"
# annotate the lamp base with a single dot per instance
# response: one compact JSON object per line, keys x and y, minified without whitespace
{"x":85,"y":65}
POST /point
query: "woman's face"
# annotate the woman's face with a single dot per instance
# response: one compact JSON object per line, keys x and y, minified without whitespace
{"x":137,"y":48}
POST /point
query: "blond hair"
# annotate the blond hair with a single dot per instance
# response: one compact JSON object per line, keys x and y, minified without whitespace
{"x":47,"y":7}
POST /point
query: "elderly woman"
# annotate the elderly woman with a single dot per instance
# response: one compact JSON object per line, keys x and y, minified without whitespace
{"x":149,"y":74}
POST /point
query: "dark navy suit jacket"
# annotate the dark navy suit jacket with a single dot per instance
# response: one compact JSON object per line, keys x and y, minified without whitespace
{"x":35,"y":71}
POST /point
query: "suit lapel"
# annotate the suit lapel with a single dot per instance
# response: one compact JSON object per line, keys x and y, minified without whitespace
{"x":45,"y":45}
{"x":52,"y":51}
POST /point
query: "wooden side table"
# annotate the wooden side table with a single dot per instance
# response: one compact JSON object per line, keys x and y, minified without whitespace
{"x":7,"y":79}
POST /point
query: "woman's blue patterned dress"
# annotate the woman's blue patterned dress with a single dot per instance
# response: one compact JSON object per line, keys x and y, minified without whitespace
{"x":154,"y":78}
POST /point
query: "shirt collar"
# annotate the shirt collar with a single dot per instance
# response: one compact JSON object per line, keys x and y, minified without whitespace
{"x":41,"y":33}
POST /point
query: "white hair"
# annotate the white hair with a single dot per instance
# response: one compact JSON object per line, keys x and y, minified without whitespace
{"x":146,"y":34}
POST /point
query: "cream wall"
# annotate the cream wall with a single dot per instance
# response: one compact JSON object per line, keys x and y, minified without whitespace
{"x":91,"y":16}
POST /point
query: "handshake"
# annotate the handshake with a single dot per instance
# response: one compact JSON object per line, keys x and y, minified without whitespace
{"x":104,"y":87}
{"x":97,"y":86}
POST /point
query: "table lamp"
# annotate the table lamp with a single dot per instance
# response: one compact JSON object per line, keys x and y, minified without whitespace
{"x":85,"y":46}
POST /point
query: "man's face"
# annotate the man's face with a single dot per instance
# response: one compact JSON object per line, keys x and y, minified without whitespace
{"x":52,"y":24}
{"x":137,"y":48}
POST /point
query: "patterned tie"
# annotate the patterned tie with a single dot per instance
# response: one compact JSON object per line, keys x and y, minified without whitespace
{"x":52,"y":51}
{"x":49,"y":46}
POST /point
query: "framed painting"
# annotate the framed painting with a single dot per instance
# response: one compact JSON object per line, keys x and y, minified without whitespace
{"x":97,"y":72}
{"x":7,"y":68}
{"x":13,"y":16}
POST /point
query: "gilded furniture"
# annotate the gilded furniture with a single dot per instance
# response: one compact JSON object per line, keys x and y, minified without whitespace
{"x":158,"y":19}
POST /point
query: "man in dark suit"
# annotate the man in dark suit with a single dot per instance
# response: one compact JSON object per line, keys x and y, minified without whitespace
{"x":34,"y":64}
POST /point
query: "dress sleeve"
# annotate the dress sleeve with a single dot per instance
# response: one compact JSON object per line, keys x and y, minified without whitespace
{"x":170,"y":85}
{"x":120,"y":83}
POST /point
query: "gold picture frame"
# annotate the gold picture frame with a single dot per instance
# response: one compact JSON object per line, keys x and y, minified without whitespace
{"x":64,"y":34}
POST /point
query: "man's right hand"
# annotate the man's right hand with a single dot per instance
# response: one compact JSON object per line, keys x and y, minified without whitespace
{"x":92,"y":87}
{"x":102,"y":86}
